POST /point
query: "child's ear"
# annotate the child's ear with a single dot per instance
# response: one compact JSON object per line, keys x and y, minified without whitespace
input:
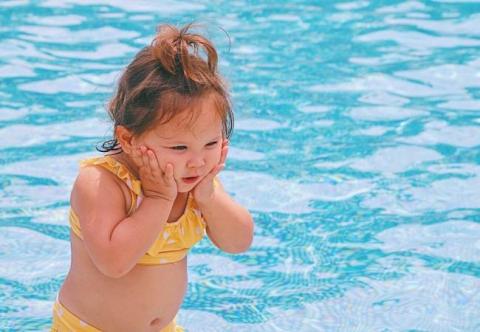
{"x":125,"y":138}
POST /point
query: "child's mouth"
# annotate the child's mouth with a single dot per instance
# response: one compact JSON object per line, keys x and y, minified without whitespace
{"x":191,"y":179}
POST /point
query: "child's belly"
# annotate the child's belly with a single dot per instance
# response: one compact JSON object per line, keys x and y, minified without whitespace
{"x":145,"y":299}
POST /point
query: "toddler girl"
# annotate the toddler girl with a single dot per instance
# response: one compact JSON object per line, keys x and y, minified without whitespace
{"x":138,"y":209}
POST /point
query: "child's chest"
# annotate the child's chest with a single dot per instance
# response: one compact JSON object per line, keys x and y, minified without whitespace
{"x":178,"y":207}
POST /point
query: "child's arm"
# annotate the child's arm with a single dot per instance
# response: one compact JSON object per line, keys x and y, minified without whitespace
{"x":114,"y":241}
{"x":229,"y":225}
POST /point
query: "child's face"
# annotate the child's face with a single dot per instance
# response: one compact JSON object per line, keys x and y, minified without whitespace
{"x":193,"y":147}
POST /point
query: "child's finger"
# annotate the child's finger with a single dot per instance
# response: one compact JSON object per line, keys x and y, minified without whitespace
{"x":169,"y":173}
{"x":152,"y":162}
{"x":145,"y":162}
{"x":213,"y":173}
{"x":223,"y":156}
{"x":169,"y":170}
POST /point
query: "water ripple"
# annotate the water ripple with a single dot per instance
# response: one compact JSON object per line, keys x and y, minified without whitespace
{"x":356,"y":149}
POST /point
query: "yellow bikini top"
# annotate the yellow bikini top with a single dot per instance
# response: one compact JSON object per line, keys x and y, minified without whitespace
{"x":173,"y":243}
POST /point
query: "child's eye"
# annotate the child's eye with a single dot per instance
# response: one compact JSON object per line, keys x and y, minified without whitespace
{"x":212,"y":143}
{"x":179,"y":147}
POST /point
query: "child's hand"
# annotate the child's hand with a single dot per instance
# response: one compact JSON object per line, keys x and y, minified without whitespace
{"x":204,"y":190}
{"x":156,"y":183}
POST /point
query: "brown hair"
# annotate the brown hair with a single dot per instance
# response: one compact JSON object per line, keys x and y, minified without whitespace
{"x":165,"y":79}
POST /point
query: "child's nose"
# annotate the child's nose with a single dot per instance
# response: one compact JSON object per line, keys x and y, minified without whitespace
{"x":196,"y":162}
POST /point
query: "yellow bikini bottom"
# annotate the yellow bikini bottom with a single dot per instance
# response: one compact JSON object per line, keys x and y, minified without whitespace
{"x":65,"y":321}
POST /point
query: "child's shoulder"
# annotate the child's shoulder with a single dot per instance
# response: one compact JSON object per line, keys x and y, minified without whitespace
{"x":102,"y":168}
{"x":94,"y":179}
{"x":91,"y":172}
{"x":95,"y":184}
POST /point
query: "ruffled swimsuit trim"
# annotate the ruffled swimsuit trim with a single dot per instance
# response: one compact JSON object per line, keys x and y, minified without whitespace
{"x":174,"y":242}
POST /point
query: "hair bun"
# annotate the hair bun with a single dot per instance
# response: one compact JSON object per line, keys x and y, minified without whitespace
{"x":178,"y":52}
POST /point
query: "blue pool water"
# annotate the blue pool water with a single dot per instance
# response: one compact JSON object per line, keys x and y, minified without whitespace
{"x":356,"y":148}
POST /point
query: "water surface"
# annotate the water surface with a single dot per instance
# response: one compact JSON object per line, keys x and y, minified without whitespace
{"x":356,"y":148}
